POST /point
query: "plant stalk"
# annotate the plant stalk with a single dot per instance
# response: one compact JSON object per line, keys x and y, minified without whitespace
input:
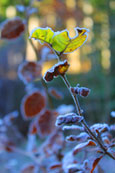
{"x":83,"y":122}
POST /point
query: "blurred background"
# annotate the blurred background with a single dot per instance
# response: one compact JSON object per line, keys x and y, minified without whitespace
{"x":92,"y":65}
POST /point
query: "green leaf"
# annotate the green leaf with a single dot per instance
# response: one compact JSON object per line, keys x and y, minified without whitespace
{"x":77,"y":41}
{"x":63,"y":43}
{"x":60,"y":41}
{"x":42,"y":34}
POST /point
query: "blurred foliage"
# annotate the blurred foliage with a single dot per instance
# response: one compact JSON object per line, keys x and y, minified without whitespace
{"x":98,"y":16}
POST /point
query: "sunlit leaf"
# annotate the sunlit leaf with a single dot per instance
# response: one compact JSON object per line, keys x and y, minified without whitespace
{"x":12,"y":28}
{"x":61,"y":68}
{"x":60,"y":41}
{"x":96,"y":161}
{"x":78,"y":41}
{"x":32,"y":104}
{"x":29,"y":71}
{"x":63,"y":43}
{"x":42,"y":34}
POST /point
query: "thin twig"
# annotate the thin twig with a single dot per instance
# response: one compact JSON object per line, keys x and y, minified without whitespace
{"x":83,"y":122}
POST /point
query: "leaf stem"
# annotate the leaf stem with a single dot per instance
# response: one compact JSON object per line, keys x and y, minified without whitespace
{"x":83,"y":122}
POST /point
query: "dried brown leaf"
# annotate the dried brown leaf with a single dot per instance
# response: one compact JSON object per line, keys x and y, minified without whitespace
{"x":58,"y":69}
{"x":96,"y":161}
{"x":81,"y":146}
{"x":32,"y":104}
{"x":79,"y":138}
{"x":55,"y":166}
{"x":12,"y":28}
{"x":46,"y":122}
{"x":29,"y":71}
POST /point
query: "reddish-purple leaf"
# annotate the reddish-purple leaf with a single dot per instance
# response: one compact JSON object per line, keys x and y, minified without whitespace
{"x":29,"y":71}
{"x":81,"y":91}
{"x":12,"y":28}
{"x":46,"y":122}
{"x":96,"y":161}
{"x":58,"y":69}
{"x":32,"y":104}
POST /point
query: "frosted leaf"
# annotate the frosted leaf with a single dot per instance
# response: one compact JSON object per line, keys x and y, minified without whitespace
{"x":68,"y":119}
{"x":79,"y":138}
{"x":73,"y":127}
{"x":81,"y":146}
{"x":100,"y":127}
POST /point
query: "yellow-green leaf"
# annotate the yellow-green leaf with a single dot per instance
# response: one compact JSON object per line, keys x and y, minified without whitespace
{"x":78,"y":41}
{"x":60,"y":41}
{"x":63,"y":43}
{"x":42,"y":34}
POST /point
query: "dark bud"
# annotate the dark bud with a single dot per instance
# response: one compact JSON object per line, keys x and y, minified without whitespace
{"x":81,"y":91}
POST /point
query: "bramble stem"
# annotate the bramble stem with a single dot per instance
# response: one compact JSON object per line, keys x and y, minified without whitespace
{"x":83,"y":122}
